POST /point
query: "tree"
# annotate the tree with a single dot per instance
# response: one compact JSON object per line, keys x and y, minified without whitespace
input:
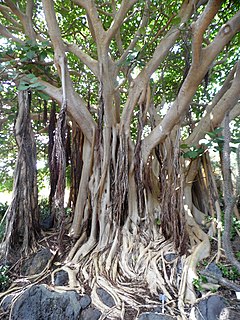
{"x":142,"y":83}
{"x":22,"y":215}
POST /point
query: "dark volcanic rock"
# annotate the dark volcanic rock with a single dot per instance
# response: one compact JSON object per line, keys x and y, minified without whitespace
{"x":61,"y":278}
{"x":46,"y":223}
{"x":154,"y":316}
{"x":90,"y":314}
{"x":212,"y":269}
{"x":169,"y":257}
{"x":6,"y":302}
{"x":38,"y":303}
{"x":106,"y":298}
{"x":209,"y":309}
{"x":85,"y":301}
{"x":37,"y":263}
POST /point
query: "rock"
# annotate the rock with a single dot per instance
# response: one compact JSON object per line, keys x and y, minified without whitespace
{"x":229,"y":314}
{"x":90,"y":314}
{"x":6,"y":302}
{"x":169,"y":257}
{"x":39,"y":302}
{"x":85,"y":301}
{"x":105,"y":297}
{"x":61,"y":278}
{"x":208,"y":309}
{"x":46,"y":222}
{"x":154,"y":316}
{"x":37,"y":263}
{"x":212,"y":268}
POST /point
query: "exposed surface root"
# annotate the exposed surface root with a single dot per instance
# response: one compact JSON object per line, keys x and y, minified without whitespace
{"x":136,"y":276}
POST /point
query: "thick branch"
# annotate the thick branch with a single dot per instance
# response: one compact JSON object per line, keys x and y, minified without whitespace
{"x":196,"y":73}
{"x":159,"y":55}
{"x":95,"y":25}
{"x":119,"y":17}
{"x":29,"y":8}
{"x":76,"y":107}
{"x":214,"y":117}
{"x":225,"y":34}
{"x":15,"y":10}
{"x":84,"y":57}
{"x":200,"y":26}
{"x":75,"y":104}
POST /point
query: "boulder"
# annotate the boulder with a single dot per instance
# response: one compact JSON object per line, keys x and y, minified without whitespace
{"x":208,"y":309}
{"x":154,"y":316}
{"x":61,"y":278}
{"x":39,"y":302}
{"x":90,"y":314}
{"x":85,"y":301}
{"x":105,"y":297}
{"x":36,"y":263}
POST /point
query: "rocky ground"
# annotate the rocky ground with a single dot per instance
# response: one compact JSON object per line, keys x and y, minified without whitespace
{"x":43,"y":297}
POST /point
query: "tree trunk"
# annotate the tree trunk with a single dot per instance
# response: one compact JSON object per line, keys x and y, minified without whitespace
{"x":22,"y":225}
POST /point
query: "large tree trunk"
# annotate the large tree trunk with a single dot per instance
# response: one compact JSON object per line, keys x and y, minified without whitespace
{"x":22,"y":225}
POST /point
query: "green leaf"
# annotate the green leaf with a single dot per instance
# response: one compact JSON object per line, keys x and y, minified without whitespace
{"x":44,"y":96}
{"x":184,"y":146}
{"x":43,"y":55}
{"x":31,"y":76}
{"x":211,"y":134}
{"x":142,"y":30}
{"x":37,"y":86}
{"x":23,"y":86}
{"x":30,"y":54}
{"x":176,"y":20}
{"x":191,"y":154}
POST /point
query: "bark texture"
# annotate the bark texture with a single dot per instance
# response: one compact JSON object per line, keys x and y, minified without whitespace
{"x":22,"y":215}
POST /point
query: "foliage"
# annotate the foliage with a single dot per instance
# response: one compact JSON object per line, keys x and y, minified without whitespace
{"x":229,"y":272}
{"x":44,"y":208}
{"x":235,"y":228}
{"x":4,"y":278}
{"x":3,"y":209}
{"x":199,"y":282}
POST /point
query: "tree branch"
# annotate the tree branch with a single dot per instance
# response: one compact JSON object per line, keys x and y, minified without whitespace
{"x":5,"y":10}
{"x":95,"y":25}
{"x":225,"y":34}
{"x":75,"y":104}
{"x":29,"y":8}
{"x":91,"y":63}
{"x":15,"y":10}
{"x":119,"y":17}
{"x":142,"y":25}
{"x":196,"y":73}
{"x":162,"y":50}
{"x":4,"y":31}
{"x":223,"y":90}
{"x":215,"y":116}
{"x":200,"y":26}
{"x":26,"y":19}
